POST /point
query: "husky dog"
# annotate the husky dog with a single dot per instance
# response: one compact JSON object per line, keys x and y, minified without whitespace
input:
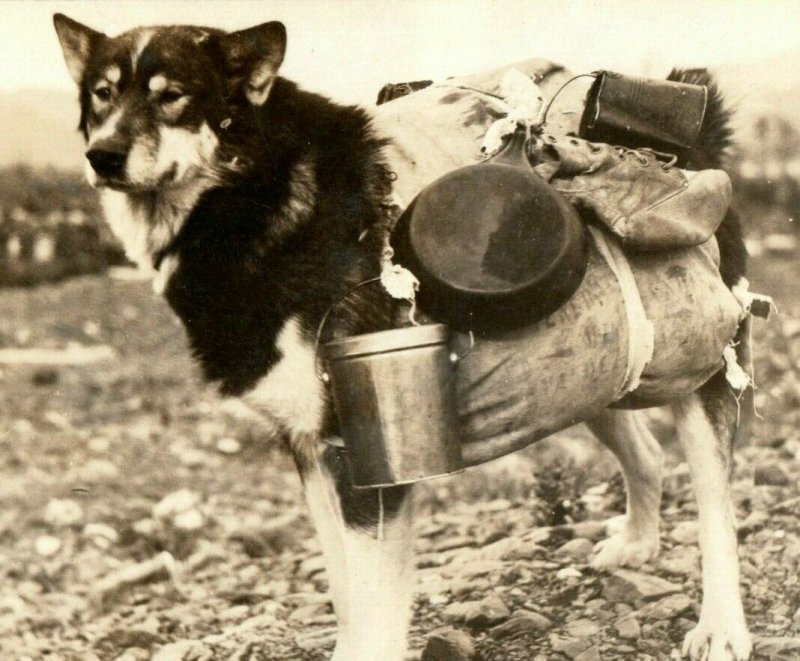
{"x":254,"y":203}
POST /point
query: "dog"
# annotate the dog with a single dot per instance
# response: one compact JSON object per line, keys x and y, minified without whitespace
{"x":254,"y":203}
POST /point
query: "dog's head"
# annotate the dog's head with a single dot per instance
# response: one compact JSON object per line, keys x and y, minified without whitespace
{"x":156,"y":102}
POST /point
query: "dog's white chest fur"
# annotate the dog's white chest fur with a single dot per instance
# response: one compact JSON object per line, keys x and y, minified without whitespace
{"x":291,"y":394}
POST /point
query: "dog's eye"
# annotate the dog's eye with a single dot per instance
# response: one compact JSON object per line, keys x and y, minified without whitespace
{"x":171,"y":96}
{"x":103,"y":94}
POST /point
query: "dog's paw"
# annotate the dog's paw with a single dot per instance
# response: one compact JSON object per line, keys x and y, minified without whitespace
{"x":626,"y":548}
{"x":718,"y":641}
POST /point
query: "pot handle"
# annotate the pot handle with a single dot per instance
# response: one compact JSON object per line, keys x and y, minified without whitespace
{"x":322,"y":375}
{"x":456,"y":358}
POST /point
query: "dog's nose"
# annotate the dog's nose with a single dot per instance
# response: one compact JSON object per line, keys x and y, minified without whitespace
{"x":106,"y":162}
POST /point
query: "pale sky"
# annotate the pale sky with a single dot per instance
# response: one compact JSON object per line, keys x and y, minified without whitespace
{"x":349,"y":48}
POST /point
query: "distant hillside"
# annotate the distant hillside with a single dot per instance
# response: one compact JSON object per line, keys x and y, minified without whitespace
{"x":39,"y":127}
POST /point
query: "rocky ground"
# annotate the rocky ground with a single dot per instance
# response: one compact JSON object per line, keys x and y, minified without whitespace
{"x":139,"y":521}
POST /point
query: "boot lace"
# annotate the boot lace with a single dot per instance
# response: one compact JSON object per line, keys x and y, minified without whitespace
{"x":643,"y":155}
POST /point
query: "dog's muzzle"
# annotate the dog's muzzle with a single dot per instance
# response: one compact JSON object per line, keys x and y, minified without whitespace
{"x":107,"y":162}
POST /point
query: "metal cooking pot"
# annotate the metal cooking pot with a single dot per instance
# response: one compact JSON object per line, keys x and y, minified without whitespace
{"x":493,"y":245}
{"x":395,"y":394}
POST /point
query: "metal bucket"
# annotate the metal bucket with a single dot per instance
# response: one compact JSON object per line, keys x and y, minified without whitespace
{"x":395,"y":395}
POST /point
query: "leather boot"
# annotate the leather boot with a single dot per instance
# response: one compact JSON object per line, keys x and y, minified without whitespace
{"x":637,"y":193}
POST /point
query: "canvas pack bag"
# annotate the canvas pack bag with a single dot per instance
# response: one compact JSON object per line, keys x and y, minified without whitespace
{"x":641,"y":330}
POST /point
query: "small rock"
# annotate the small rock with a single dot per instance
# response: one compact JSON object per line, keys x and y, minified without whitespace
{"x":567,"y":573}
{"x":577,"y":549}
{"x":628,"y":627}
{"x":539,"y":535}
{"x":478,"y":614}
{"x":134,"y":654}
{"x":100,"y":534}
{"x":452,"y":543}
{"x":57,"y":420}
{"x":667,"y":608}
{"x":570,"y":647}
{"x":183,"y":649}
{"x":770,"y":475}
{"x":487,"y":612}
{"x":521,"y":624}
{"x":581,"y":628}
{"x":315,"y":639}
{"x":190,"y":457}
{"x":175,"y":503}
{"x":97,"y":471}
{"x":779,"y":647}
{"x":685,"y":532}
{"x":681,"y":560}
{"x":228,"y":446}
{"x":63,"y":513}
{"x":189,"y":521}
{"x":449,"y":645}
{"x":98,"y":445}
{"x":308,"y":611}
{"x":47,"y":545}
{"x":131,"y":637}
{"x":46,"y":376}
{"x":311,"y":566}
{"x":754,"y":521}
{"x":496,"y":505}
{"x":589,"y":655}
{"x":145,"y":527}
{"x":630,"y":586}
{"x":593,"y":530}
{"x":459,"y":587}
{"x":234,"y":613}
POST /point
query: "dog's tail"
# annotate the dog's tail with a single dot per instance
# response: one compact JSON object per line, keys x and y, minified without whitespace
{"x":712,"y":150}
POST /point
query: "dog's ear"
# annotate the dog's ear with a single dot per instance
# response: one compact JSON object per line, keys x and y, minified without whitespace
{"x":77,"y":42}
{"x":253,"y":57}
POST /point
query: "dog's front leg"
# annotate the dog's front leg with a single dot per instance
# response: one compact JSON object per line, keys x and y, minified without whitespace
{"x":721,"y":633}
{"x":366,"y":536}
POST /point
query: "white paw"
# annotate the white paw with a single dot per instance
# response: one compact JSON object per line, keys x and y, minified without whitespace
{"x":626,"y":548}
{"x":718,"y":641}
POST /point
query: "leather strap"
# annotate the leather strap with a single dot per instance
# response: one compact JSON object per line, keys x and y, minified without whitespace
{"x":641,"y":333}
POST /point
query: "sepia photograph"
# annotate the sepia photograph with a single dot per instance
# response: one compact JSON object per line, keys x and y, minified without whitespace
{"x":399,"y":330}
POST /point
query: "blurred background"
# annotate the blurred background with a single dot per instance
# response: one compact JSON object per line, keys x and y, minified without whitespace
{"x":112,"y":451}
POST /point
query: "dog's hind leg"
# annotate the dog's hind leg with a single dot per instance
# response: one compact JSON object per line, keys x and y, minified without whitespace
{"x":705,"y":423}
{"x":366,"y":536}
{"x":636,"y":541}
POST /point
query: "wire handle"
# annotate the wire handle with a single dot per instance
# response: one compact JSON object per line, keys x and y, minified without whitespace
{"x":546,"y":109}
{"x":455,"y":358}
{"x":322,"y":375}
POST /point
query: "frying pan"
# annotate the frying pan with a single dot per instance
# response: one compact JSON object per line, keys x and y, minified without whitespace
{"x":493,"y":245}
